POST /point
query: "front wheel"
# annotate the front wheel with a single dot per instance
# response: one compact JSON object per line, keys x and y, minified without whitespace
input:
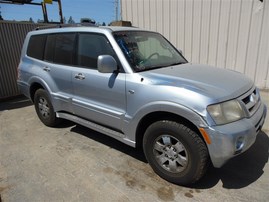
{"x":44,"y":108}
{"x":175,"y":152}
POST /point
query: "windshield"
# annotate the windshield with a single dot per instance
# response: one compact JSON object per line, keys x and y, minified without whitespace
{"x":147,"y":50}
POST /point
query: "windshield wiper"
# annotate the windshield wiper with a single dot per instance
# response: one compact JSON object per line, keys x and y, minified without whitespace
{"x":176,"y":63}
{"x":159,"y":66}
{"x":168,"y":65}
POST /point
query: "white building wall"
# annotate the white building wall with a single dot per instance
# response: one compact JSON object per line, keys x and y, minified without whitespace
{"x":232,"y":34}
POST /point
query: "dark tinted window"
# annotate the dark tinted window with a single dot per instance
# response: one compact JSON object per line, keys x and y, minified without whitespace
{"x":49,"y":50}
{"x":60,"y":48}
{"x":36,"y":46}
{"x":90,"y":46}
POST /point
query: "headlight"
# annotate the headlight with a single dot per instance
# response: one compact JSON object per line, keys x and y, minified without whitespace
{"x":226,"y":112}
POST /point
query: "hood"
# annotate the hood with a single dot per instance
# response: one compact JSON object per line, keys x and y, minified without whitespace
{"x":215,"y":83}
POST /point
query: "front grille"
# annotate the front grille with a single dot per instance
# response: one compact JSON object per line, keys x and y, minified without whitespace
{"x":252,"y":101}
{"x":258,"y":125}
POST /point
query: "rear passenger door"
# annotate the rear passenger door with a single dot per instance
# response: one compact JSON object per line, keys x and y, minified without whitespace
{"x":59,"y":59}
{"x":98,"y":97}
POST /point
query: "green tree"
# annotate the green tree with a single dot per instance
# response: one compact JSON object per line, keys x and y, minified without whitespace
{"x":103,"y":24}
{"x":31,"y":20}
{"x":70,"y":20}
{"x":64,"y":20}
{"x":40,"y":21}
{"x":1,"y":18}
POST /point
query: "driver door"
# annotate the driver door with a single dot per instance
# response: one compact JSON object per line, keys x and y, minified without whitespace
{"x":98,"y":97}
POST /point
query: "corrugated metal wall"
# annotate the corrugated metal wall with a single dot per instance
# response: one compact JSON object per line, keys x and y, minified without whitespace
{"x":12,"y":36}
{"x":230,"y":34}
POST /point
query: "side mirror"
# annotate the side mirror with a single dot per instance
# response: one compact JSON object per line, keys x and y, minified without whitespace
{"x":106,"y":64}
{"x":179,"y":50}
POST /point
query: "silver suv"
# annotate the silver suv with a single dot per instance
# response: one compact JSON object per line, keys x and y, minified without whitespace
{"x":134,"y":86}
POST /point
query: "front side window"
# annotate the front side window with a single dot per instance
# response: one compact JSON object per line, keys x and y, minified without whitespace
{"x":90,"y":46}
{"x":147,"y":50}
{"x":80,"y":49}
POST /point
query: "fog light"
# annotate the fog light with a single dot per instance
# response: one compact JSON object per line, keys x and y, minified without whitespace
{"x":239,"y":144}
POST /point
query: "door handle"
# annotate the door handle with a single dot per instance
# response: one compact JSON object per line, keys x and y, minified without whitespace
{"x":79,"y":76}
{"x":131,"y":91}
{"x":46,"y":69}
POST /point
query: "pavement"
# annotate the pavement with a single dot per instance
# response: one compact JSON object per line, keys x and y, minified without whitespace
{"x":73,"y":163}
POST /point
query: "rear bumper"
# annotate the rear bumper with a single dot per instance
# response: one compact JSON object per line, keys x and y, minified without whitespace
{"x":23,"y":88}
{"x":232,"y":139}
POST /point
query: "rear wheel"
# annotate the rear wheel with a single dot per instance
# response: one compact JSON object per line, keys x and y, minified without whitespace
{"x":44,"y":108}
{"x":175,"y":152}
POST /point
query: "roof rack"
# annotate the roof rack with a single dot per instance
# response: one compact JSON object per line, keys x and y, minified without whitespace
{"x":66,"y":25}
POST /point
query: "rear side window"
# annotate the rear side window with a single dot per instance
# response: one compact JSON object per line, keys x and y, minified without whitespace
{"x":81,"y":49}
{"x":60,"y":48}
{"x":36,"y":46}
{"x":49,"y":50}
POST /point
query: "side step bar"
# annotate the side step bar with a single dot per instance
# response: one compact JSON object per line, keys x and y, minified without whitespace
{"x":90,"y":124}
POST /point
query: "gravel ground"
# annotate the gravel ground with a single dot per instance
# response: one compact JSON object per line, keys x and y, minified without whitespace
{"x":73,"y":163}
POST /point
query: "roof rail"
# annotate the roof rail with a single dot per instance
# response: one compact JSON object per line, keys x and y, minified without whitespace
{"x":66,"y":25}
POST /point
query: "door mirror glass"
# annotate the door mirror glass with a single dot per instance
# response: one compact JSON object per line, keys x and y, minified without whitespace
{"x":106,"y":64}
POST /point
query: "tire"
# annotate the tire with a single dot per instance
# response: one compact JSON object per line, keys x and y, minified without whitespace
{"x":175,"y":152}
{"x":44,"y":108}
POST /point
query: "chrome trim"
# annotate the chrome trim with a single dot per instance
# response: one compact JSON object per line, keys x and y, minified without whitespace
{"x":251,"y":101}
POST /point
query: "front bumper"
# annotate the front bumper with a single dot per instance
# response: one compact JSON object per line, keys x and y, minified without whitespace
{"x":225,"y":139}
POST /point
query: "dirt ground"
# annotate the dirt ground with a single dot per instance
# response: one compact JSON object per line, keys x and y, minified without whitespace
{"x":73,"y":163}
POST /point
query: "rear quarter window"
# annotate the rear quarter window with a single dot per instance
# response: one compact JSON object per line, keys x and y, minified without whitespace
{"x":36,"y":46}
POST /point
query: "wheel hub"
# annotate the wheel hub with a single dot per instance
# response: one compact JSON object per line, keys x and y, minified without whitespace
{"x":170,"y":153}
{"x":43,"y":107}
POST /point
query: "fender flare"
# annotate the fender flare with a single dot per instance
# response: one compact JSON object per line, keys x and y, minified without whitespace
{"x":132,"y":123}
